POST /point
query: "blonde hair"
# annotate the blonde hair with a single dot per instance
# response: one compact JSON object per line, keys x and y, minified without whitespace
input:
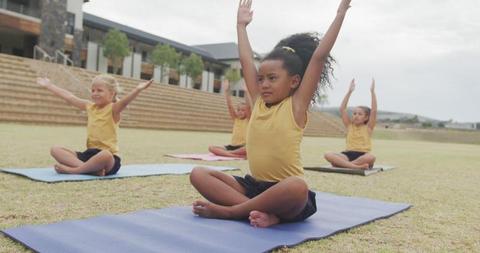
{"x":111,"y":84}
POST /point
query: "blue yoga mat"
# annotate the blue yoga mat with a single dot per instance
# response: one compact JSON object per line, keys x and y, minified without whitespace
{"x":178,"y":230}
{"x":135,"y":170}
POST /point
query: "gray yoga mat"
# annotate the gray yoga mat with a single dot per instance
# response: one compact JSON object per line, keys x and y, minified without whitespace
{"x":134,"y":170}
{"x":176,"y":229}
{"x":328,"y":168}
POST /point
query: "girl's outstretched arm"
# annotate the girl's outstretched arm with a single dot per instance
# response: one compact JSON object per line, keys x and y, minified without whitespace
{"x":372,"y":121}
{"x":228,"y":99}
{"x":343,"y":106}
{"x":120,"y":105}
{"x":64,"y":94}
{"x":304,"y":94}
{"x":244,"y":17}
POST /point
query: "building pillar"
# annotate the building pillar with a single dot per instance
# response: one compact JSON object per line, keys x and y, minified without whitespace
{"x":211,"y":81}
{"x":127,"y":66}
{"x":204,"y":81}
{"x":77,"y":48}
{"x":102,"y":61}
{"x":92,"y":56}
{"x":52,"y":29}
{"x":157,"y":73}
{"x":137,"y":65}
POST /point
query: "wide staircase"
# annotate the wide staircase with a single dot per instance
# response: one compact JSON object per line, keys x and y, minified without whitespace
{"x":159,"y":107}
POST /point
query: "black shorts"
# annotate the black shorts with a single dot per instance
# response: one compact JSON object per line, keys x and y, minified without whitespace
{"x":353,"y":155}
{"x":89,"y":153}
{"x":254,"y":188}
{"x":232,"y":147}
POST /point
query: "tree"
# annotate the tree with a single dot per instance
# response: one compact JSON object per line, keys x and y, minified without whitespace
{"x":322,"y":98}
{"x":115,"y":48}
{"x":192,"y":66}
{"x":233,"y":75}
{"x":165,"y":56}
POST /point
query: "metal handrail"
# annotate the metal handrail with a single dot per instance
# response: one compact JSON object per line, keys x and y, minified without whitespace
{"x":66,"y":59}
{"x":45,"y":56}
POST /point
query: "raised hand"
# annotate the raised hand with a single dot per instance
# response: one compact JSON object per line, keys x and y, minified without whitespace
{"x":344,"y":5}
{"x":43,"y":81}
{"x":372,"y":88}
{"x":226,"y":85}
{"x":352,"y":86}
{"x":144,"y":85}
{"x":245,"y":14}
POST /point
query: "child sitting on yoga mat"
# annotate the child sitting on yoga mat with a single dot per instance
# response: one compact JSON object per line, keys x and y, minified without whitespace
{"x":103,"y":112}
{"x":240,"y":117}
{"x":281,"y":91}
{"x":359,"y":132}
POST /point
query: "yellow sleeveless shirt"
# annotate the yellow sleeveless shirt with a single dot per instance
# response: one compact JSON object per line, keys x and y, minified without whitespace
{"x":273,"y":142}
{"x":101,"y":128}
{"x":358,"y":138}
{"x":239,"y":132}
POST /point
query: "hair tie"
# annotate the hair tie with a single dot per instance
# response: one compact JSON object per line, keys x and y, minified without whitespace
{"x":289,"y":49}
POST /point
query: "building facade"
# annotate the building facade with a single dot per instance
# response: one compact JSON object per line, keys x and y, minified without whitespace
{"x":61,"y":27}
{"x":228,"y":54}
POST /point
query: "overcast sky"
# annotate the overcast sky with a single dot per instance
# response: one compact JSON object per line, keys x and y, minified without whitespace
{"x":424,"y":54}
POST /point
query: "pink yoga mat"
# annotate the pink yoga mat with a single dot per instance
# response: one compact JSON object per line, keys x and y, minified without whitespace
{"x":205,"y":157}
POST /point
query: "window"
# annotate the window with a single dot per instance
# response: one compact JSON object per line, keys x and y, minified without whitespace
{"x":144,"y":56}
{"x":241,"y":93}
{"x":18,"y":52}
{"x":70,"y":23}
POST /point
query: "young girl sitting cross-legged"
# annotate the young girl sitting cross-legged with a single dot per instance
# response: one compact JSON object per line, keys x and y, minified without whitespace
{"x":103,"y":112}
{"x":281,"y":91}
{"x":359,"y":134}
{"x":240,"y":117}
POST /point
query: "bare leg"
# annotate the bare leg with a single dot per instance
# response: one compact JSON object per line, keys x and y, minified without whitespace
{"x":100,"y":164}
{"x":65,"y":156}
{"x":366,"y":158}
{"x":221,"y":151}
{"x":217,"y":187}
{"x":286,"y":199}
{"x":341,"y":160}
{"x":240,"y":152}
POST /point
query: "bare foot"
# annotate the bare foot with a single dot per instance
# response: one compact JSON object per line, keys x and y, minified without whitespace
{"x":62,"y":169}
{"x":99,"y":173}
{"x":210,"y":210}
{"x":262,"y":220}
{"x":365,"y":166}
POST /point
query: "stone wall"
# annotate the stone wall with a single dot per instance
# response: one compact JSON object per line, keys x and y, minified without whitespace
{"x":77,"y":47}
{"x":52,"y":28}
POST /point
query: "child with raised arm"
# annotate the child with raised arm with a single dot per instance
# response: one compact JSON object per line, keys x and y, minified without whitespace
{"x":240,"y":117}
{"x":103,"y":112}
{"x":281,"y":91}
{"x":359,"y":133}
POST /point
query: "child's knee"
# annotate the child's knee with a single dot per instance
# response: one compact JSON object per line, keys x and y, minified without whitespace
{"x":196,"y":174}
{"x":298,"y":186}
{"x":371,"y":158}
{"x":54,"y":149}
{"x":328,"y":156}
{"x":106,"y":155}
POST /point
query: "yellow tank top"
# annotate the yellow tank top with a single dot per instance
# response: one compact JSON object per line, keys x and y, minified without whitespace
{"x":358,"y":138}
{"x":239,"y":132}
{"x":273,"y":142}
{"x":101,"y":128}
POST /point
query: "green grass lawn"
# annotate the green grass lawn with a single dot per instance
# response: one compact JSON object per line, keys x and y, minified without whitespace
{"x":440,"y":180}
